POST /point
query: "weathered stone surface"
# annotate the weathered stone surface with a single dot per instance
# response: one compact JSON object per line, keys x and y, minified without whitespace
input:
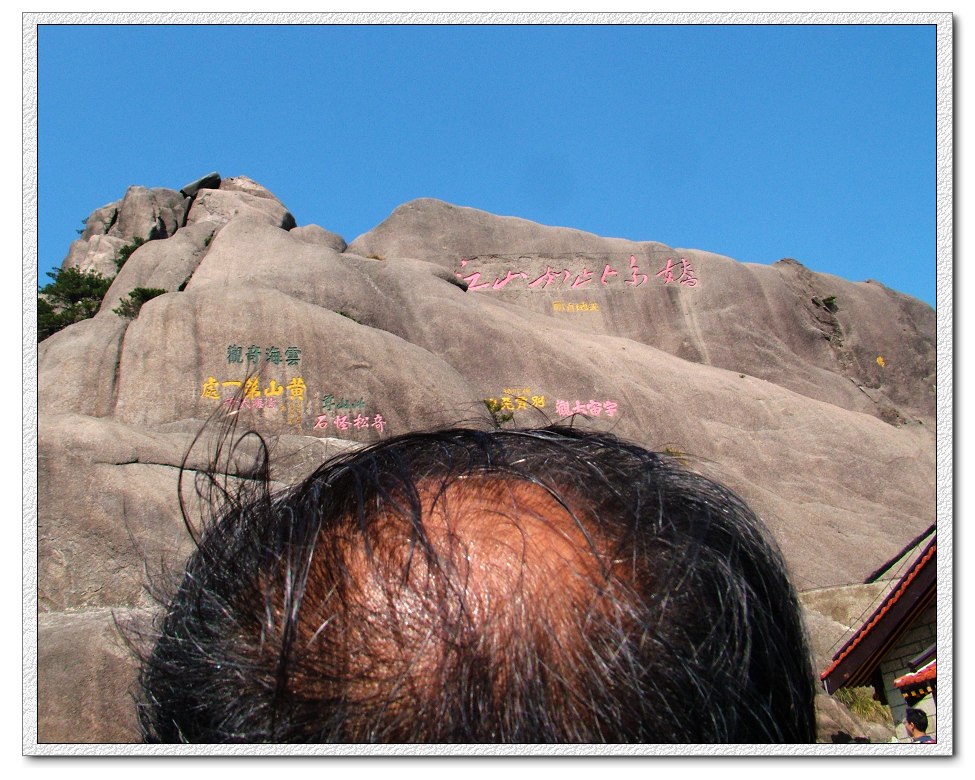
{"x":754,"y":319}
{"x":96,"y":254}
{"x":167,"y":264}
{"x":224,"y":205}
{"x":209,"y":182}
{"x":313,"y":234}
{"x":337,"y":356}
{"x":112,"y":516}
{"x":100,"y":221}
{"x":143,"y":213}
{"x":769,"y":409}
{"x":248,"y":185}
{"x":76,"y":367}
{"x":86,"y":679}
{"x":436,"y":231}
{"x":836,"y":724}
{"x":845,"y":606}
{"x":831,"y":615}
{"x":114,"y":519}
{"x":809,"y":395}
{"x":149,"y":213}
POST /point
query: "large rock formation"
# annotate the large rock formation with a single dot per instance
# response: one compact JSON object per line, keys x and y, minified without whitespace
{"x":811,"y":396}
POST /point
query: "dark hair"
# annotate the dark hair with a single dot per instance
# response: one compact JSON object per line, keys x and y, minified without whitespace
{"x":917,"y":718}
{"x":545,"y":585}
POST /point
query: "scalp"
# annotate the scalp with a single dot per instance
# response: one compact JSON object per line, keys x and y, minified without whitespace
{"x":497,"y":572}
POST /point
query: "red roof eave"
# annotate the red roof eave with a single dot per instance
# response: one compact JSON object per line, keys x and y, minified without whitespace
{"x":858,"y":651}
{"x":929,"y":672}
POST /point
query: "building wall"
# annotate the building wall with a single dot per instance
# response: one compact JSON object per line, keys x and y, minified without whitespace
{"x":919,"y":637}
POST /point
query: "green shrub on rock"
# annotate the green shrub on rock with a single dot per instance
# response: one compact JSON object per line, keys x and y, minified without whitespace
{"x":130,"y":308}
{"x":126,"y":251}
{"x":72,"y":296}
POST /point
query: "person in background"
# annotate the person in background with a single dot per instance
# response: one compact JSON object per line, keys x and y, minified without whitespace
{"x":916,"y":725}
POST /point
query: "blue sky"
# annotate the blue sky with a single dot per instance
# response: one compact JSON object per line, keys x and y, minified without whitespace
{"x":757,"y":142}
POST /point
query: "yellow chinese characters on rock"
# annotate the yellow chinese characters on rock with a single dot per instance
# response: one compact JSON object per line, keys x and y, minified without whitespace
{"x":575,"y":307}
{"x":296,"y":399}
{"x":211,"y":389}
{"x":514,"y":402}
{"x":290,"y":400}
{"x":249,"y":394}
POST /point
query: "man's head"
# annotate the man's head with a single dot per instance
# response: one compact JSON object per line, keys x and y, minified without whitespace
{"x":915,"y":722}
{"x":468,"y":586}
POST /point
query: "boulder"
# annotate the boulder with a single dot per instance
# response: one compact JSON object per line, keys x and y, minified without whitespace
{"x":248,"y":185}
{"x":191,"y":342}
{"x":77,"y":367}
{"x":97,"y":254}
{"x":439,"y":232}
{"x":856,"y":345}
{"x":223,"y":205}
{"x":167,"y":264}
{"x":837,"y":725}
{"x":313,"y":234}
{"x":209,"y":182}
{"x":100,"y":221}
{"x":149,"y":213}
{"x":143,"y":213}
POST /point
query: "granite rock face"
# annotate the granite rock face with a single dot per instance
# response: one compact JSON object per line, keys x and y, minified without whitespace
{"x":97,"y":254}
{"x":809,"y":395}
{"x":815,"y":334}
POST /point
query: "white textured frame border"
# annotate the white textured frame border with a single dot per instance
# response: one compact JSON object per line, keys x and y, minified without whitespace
{"x":945,"y":436}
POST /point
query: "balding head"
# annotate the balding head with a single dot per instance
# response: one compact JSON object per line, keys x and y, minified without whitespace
{"x":464,"y":586}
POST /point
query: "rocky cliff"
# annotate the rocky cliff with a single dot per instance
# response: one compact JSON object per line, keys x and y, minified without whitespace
{"x":811,"y":396}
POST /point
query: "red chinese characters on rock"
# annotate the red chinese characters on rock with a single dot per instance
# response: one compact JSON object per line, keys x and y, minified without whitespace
{"x":680,"y":273}
{"x":251,"y":403}
{"x":636,"y":278}
{"x":686,"y":273}
{"x":591,"y":408}
{"x":346,"y":422}
{"x":499,"y":283}
{"x":346,"y":415}
{"x":549,"y":277}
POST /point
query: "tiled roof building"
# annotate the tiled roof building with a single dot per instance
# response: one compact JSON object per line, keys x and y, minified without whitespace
{"x":899,"y":635}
